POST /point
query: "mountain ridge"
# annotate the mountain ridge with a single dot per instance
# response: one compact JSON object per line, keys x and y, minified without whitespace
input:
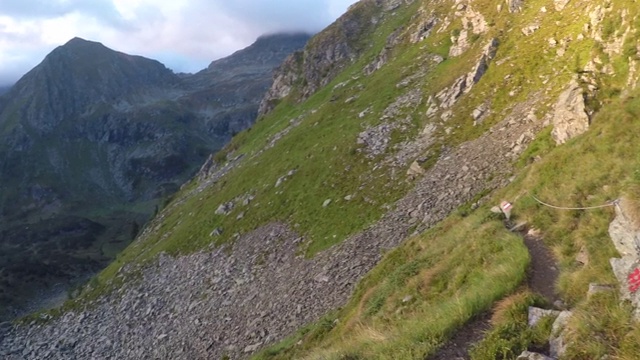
{"x":99,"y":136}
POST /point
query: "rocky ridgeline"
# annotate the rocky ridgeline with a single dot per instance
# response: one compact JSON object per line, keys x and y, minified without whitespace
{"x":330,"y":52}
{"x":233,"y":301}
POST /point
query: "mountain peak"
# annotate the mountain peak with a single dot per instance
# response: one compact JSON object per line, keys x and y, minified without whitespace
{"x":266,"y":50}
{"x":78,"y":43}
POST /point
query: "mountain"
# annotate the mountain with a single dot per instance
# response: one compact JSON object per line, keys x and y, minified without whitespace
{"x":427,"y":180}
{"x":4,"y":89}
{"x":94,"y":140}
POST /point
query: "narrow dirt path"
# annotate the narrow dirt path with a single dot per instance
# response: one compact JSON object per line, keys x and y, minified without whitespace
{"x":457,"y":348}
{"x":543,"y":270}
{"x":541,"y":278}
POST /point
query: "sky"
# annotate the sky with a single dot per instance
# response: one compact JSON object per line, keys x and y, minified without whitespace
{"x":185,"y":35}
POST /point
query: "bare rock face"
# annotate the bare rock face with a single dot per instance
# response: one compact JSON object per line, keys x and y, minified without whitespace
{"x":570,"y":117}
{"x":482,"y":65}
{"x":328,"y":53}
{"x":626,"y":238}
{"x":449,"y":96}
{"x":624,"y":233}
{"x":472,"y":22}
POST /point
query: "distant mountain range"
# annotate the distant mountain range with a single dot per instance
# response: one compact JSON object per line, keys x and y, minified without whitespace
{"x":92,"y":140}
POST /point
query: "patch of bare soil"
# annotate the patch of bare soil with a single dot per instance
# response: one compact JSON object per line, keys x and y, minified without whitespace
{"x":457,"y":348}
{"x":543,"y":270}
{"x":541,"y":278}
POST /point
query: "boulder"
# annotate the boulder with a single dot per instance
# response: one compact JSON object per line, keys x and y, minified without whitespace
{"x":557,"y":344}
{"x":624,"y":233}
{"x":599,"y":288}
{"x":224,"y":209}
{"x":415,"y":169}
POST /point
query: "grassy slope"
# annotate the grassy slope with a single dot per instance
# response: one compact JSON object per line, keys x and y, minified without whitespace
{"x":376,"y":323}
{"x":463,"y":266}
{"x":458,"y":269}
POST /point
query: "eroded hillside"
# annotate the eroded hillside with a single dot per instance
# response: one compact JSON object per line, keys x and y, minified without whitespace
{"x":357,"y":211}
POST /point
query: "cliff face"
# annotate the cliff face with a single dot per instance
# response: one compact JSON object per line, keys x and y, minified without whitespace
{"x":329,"y":52}
{"x":96,"y":136}
{"x":356,"y":219}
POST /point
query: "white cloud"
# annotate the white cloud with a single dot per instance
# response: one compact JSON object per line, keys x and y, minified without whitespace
{"x":184,"y":34}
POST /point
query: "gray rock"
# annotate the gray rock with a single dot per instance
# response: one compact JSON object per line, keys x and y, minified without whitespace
{"x":598,"y":288}
{"x":424,"y":29}
{"x":415,"y":169}
{"x":557,"y":345}
{"x":570,"y":117}
{"x":326,"y":203}
{"x":530,"y":29}
{"x":624,"y":233}
{"x":224,"y":209}
{"x":280,"y":181}
{"x":527,"y":355}
{"x":582,"y":256}
{"x":252,"y":348}
{"x":536,"y":314}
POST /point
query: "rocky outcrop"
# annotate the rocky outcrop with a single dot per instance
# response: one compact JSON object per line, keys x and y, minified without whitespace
{"x":625,"y":234}
{"x":570,"y":117}
{"x":450,"y":95}
{"x":284,"y":79}
{"x":424,"y":29}
{"x":329,"y":52}
{"x":473,"y":22}
{"x":383,"y":57}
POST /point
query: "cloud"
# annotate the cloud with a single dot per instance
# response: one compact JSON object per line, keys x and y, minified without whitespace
{"x":183,"y":34}
{"x":101,"y":10}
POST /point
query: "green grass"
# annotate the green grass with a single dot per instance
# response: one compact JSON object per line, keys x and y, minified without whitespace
{"x":510,"y":333}
{"x":449,"y":274}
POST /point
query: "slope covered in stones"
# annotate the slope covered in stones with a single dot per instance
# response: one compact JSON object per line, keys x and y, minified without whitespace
{"x":358,"y":209}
